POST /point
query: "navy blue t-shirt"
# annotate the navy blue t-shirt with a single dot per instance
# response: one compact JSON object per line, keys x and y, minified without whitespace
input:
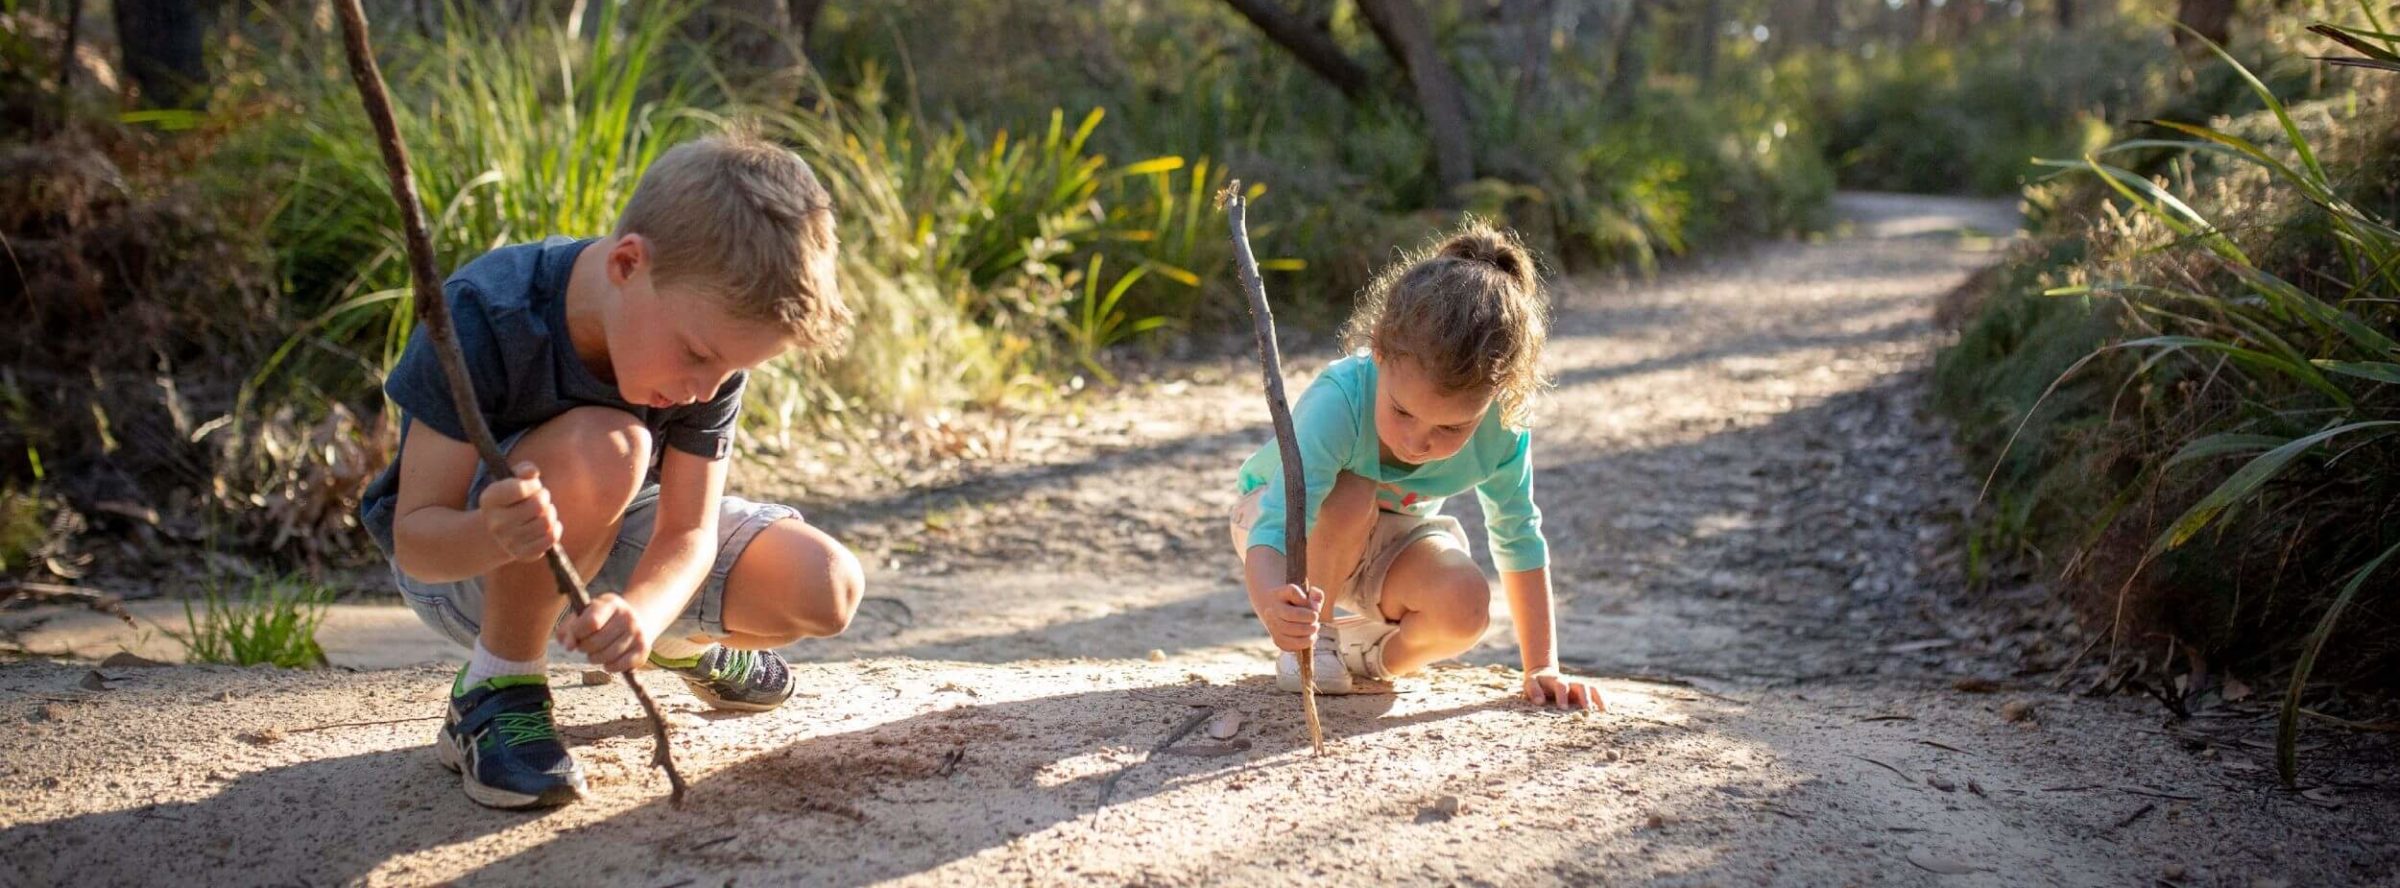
{"x":510,"y":309}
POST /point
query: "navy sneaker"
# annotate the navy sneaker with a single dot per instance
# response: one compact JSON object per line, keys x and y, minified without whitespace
{"x":750,"y":681}
{"x":501,"y":741}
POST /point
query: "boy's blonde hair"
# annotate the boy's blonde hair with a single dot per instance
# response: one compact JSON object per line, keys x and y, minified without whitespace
{"x":744,"y":221}
{"x":1470,"y":311}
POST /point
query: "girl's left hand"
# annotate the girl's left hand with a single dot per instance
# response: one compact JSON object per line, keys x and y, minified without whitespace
{"x":1546,"y":687}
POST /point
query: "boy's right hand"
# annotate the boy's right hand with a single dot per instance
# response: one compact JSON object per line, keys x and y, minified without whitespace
{"x":1291,"y":616}
{"x":518,"y":514}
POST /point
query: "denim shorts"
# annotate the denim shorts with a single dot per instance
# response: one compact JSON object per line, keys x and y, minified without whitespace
{"x":456,"y":609}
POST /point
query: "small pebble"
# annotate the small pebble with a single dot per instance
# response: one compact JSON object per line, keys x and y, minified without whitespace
{"x":2173,"y":872}
{"x":1940,"y":782}
{"x":1157,"y":656}
{"x":592,"y":677}
{"x":1225,"y":725}
{"x":2016,"y":711}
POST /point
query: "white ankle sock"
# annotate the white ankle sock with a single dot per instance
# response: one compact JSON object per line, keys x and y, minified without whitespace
{"x":487,"y":665}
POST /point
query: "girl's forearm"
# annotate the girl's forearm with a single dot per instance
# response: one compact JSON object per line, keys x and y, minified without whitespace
{"x":1530,"y":608}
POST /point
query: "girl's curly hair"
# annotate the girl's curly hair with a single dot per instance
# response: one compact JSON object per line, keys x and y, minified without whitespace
{"x":1471,"y":312}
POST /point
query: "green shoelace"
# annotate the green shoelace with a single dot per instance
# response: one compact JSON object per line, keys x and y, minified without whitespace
{"x":520,"y":728}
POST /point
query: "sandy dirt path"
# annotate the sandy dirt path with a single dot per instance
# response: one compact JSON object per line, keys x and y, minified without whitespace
{"x":1753,"y":520}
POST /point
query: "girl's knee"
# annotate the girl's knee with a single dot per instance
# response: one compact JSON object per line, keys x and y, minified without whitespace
{"x":1464,"y":606}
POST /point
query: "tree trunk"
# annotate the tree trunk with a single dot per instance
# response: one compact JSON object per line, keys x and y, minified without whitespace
{"x":1631,"y":67}
{"x":1407,"y":34}
{"x":751,"y":43}
{"x":1708,"y":19}
{"x":1308,"y":41}
{"x":1925,"y":22}
{"x":1965,"y":16}
{"x":161,"y":44}
{"x":1534,"y":20}
{"x":1828,"y":22}
{"x":2211,"y":19}
{"x":2066,"y":14}
{"x":804,"y":20}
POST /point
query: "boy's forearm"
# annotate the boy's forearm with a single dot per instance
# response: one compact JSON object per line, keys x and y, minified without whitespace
{"x":1529,"y":607}
{"x":670,"y":573}
{"x":438,"y":545}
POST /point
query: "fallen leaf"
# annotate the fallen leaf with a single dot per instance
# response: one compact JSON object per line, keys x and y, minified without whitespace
{"x":130,"y":660}
{"x":2235,"y":690}
{"x":1939,"y":865}
{"x":1226,"y":724}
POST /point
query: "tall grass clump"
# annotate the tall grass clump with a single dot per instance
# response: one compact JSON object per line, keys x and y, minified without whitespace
{"x":2214,"y":445}
{"x":271,"y":623}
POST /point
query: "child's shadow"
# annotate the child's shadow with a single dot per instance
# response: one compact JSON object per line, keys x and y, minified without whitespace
{"x":909,"y":795}
{"x":934,"y":787}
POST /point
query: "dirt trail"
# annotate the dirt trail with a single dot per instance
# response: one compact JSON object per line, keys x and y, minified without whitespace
{"x":1752,"y":519}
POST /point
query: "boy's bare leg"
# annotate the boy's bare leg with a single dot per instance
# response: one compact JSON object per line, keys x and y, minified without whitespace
{"x":792,"y":582}
{"x":592,"y":460}
{"x":1441,"y":601}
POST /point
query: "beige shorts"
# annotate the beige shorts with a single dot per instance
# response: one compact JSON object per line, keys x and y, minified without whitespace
{"x":1362,"y":591}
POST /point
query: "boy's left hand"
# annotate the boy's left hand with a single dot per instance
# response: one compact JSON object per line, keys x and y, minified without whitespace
{"x":1549,"y":687}
{"x":611,"y":632}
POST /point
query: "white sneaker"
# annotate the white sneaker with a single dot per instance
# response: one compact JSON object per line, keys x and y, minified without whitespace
{"x":1359,"y":641}
{"x":1332,"y":676}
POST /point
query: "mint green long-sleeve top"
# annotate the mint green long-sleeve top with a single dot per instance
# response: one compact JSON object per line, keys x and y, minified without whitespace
{"x":1335,"y":423}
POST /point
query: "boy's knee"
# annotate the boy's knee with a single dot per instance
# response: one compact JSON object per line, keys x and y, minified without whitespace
{"x":814,"y":582}
{"x":846,"y":584}
{"x":599,"y":453}
{"x":604,"y":436}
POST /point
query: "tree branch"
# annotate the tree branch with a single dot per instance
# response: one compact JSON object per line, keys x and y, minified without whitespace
{"x":1312,"y":46}
{"x":1295,"y":486}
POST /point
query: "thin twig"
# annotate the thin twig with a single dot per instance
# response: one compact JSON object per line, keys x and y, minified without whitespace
{"x":364,"y":724}
{"x":1108,"y":788}
{"x":434,"y":315}
{"x":2146,"y":808}
{"x":1903,"y":774}
{"x":1295,"y":487}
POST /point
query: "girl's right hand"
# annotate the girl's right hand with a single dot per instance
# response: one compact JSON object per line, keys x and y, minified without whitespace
{"x":1291,"y":617}
{"x":518,"y":514}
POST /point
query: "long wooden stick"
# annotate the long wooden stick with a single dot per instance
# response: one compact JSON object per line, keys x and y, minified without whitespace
{"x":434,"y":314}
{"x":1295,"y":487}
